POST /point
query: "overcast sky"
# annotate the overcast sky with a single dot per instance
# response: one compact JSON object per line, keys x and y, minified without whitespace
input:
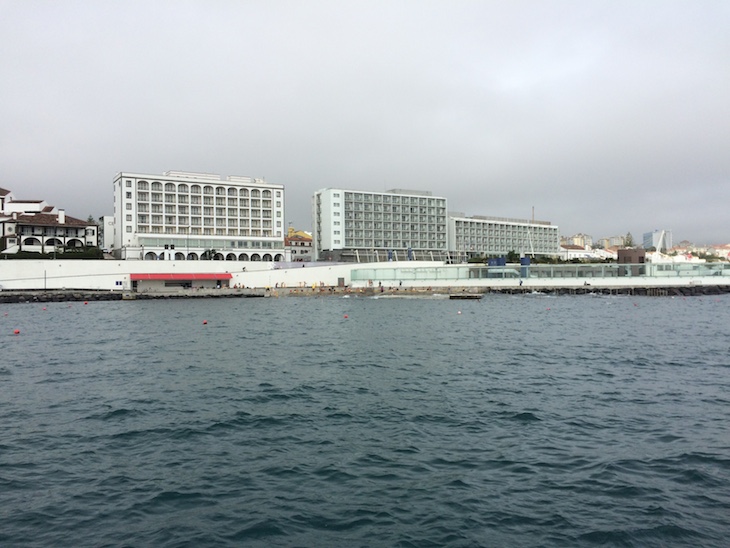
{"x":607,"y":117}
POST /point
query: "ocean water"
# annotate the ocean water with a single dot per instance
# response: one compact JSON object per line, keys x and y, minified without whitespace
{"x":510,"y":421}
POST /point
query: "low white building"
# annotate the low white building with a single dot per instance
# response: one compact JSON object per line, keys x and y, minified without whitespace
{"x":480,"y":236}
{"x":192,"y":216}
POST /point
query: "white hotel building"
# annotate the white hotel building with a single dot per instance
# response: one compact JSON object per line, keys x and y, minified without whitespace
{"x":480,"y":236}
{"x":360,"y":226}
{"x":192,"y":216}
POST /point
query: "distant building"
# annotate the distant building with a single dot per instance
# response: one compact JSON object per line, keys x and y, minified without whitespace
{"x":661,"y":240}
{"x":298,"y":245}
{"x":634,"y":259}
{"x":612,"y":242}
{"x":581,"y":240}
{"x":34,"y":226}
{"x":106,"y":232}
{"x":191,"y":216}
{"x":478,"y":236}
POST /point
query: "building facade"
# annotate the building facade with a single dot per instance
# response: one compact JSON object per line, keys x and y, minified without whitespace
{"x":658,"y":239}
{"x":477,"y":236}
{"x":361,"y":226}
{"x":36,"y":227}
{"x":193,"y":216}
{"x":299,"y":244}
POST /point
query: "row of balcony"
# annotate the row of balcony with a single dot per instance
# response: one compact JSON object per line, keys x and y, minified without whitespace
{"x":144,"y":197}
{"x":404,"y":218}
{"x":390,"y":244}
{"x":183,"y":222}
{"x":197,"y":189}
{"x":255,"y":233}
{"x":393,"y":199}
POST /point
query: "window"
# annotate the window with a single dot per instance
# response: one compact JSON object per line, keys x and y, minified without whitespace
{"x":129,"y":229}
{"x":129,"y":195}
{"x":129,"y":207}
{"x":129,"y":184}
{"x":129,"y":217}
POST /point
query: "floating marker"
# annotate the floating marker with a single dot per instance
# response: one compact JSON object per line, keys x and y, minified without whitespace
{"x":205,"y":322}
{"x":86,"y":302}
{"x":345,"y":316}
{"x":44,"y":308}
{"x":17,"y":332}
{"x":459,"y":312}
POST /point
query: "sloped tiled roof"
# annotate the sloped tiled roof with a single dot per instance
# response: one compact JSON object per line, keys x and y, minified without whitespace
{"x":45,"y":219}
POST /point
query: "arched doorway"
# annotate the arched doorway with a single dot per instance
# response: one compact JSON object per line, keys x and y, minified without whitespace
{"x":267,"y":258}
{"x":231,"y":257}
{"x":192,"y":257}
{"x":150,"y":256}
{"x":255,"y":257}
{"x":179,"y":256}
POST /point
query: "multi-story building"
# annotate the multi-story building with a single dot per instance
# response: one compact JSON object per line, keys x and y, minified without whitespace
{"x":658,"y":239}
{"x":299,"y":244}
{"x":106,"y":232}
{"x":364,"y":226}
{"x":35,"y":226}
{"x":580,"y":239}
{"x":478,"y":236}
{"x":191,"y":216}
{"x":612,"y":242}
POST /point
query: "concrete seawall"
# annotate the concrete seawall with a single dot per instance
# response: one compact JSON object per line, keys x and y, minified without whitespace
{"x":44,"y":296}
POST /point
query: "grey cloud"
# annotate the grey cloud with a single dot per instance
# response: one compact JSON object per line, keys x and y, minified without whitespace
{"x":607,"y":117}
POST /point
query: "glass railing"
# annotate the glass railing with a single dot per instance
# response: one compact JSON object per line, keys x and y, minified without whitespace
{"x":559,"y":271}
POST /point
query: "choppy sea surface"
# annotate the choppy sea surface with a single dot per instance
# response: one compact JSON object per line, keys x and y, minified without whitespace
{"x":510,"y":421}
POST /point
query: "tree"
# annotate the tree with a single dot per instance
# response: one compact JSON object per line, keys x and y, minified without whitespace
{"x":629,"y":240}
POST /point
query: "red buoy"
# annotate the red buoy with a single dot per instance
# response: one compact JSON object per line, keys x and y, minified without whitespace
{"x":205,"y":322}
{"x":17,"y":331}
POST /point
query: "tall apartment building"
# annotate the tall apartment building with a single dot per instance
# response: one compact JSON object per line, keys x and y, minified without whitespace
{"x":658,"y":239}
{"x":362,"y":226}
{"x":479,"y":236}
{"x":190,"y":216}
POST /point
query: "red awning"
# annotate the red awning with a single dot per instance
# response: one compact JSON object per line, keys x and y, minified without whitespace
{"x":178,"y":276}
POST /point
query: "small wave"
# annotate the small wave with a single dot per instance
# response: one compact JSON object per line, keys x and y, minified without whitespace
{"x":525,"y":416}
{"x":115,"y":414}
{"x":258,"y":530}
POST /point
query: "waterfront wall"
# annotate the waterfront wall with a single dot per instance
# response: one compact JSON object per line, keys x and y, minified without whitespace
{"x":113,"y":275}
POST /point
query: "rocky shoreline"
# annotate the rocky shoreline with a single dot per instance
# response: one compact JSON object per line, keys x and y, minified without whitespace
{"x":66,"y":295}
